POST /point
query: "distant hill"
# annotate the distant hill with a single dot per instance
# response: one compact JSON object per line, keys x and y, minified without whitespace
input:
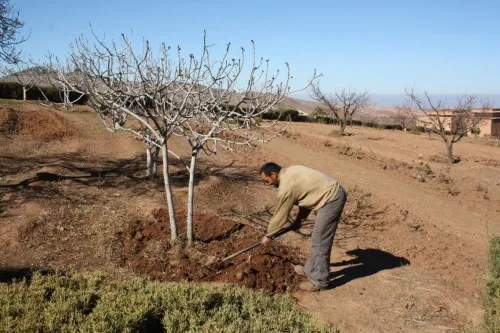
{"x":299,"y":104}
{"x":38,"y":71}
{"x":309,"y":106}
{"x":306,"y":106}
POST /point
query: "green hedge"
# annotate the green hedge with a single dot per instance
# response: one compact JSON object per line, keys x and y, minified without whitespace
{"x":14,"y":90}
{"x":416,"y":129}
{"x":354,"y":123}
{"x":294,"y":116}
{"x":392,"y":127}
{"x":324,"y":120}
{"x":287,"y":115}
{"x":492,"y":295}
{"x":95,"y":302}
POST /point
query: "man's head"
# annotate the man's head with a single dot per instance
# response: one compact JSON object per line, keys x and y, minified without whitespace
{"x":269,"y":173}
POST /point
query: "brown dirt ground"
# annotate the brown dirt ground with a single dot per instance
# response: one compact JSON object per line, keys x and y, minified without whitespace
{"x":266,"y":268}
{"x":409,"y":256}
{"x":34,"y":123}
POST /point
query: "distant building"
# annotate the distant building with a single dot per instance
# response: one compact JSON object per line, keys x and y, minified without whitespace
{"x":489,"y":126}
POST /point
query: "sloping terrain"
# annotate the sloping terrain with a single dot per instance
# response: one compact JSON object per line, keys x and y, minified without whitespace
{"x":409,"y":256}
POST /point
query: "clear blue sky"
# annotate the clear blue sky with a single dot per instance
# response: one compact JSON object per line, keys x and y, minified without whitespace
{"x":442,"y":46}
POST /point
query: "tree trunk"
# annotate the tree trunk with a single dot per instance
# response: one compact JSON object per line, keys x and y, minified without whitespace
{"x":148,"y":160}
{"x":24,"y":93}
{"x":168,"y":191}
{"x":449,"y":150}
{"x":342,"y":127}
{"x":151,"y":157}
{"x":66,"y":98}
{"x":190,"y":234}
{"x":154,"y":167}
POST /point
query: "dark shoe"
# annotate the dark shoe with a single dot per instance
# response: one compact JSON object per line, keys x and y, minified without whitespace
{"x":299,"y":269}
{"x":308,"y":286}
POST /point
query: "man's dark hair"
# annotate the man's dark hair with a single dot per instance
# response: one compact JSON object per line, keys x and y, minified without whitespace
{"x":269,"y":168}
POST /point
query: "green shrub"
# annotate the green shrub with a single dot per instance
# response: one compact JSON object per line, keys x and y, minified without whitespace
{"x":286,"y":115}
{"x":392,"y":127}
{"x":302,"y":119}
{"x":494,"y":257}
{"x":475,"y":131}
{"x":354,"y":123}
{"x":369,"y":124}
{"x":94,"y":302}
{"x":492,"y":295}
{"x":325,"y":120}
{"x":413,"y":128}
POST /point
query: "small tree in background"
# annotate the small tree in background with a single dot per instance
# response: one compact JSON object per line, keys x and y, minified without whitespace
{"x":403,"y":116}
{"x":450,"y":124}
{"x":22,"y":73}
{"x":344,"y":104}
{"x":63,"y":77}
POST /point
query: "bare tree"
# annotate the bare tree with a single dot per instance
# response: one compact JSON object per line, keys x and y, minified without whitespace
{"x":157,"y":95}
{"x":152,"y":154}
{"x":129,"y":92}
{"x":451,"y":124}
{"x":68,"y":78}
{"x":403,"y":116}
{"x":344,"y":104}
{"x":63,"y":77}
{"x":10,"y":24}
{"x":23,"y":74}
{"x":224,"y":117}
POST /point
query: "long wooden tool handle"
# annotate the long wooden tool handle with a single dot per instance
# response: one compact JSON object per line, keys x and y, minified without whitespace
{"x":241,"y":251}
{"x":279,"y":233}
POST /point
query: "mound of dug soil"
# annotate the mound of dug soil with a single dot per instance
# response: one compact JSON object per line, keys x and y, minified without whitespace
{"x":40,"y":124}
{"x":147,"y":250}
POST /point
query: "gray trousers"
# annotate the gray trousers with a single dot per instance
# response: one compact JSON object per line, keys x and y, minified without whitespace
{"x":317,"y":268}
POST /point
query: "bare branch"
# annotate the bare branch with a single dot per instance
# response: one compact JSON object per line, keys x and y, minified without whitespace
{"x":21,"y":73}
{"x":451,"y":124}
{"x":154,"y":95}
{"x":10,"y":24}
{"x":343,"y":105}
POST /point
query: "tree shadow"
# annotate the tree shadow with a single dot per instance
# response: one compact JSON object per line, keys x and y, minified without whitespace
{"x":51,"y":170}
{"x":367,"y":262}
{"x":9,"y":275}
{"x":228,"y":172}
{"x":101,"y":173}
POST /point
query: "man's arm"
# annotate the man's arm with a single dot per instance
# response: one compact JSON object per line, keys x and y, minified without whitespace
{"x":280,"y":217}
{"x":301,"y":215}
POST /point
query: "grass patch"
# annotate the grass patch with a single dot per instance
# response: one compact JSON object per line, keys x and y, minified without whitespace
{"x":95,"y":302}
{"x":492,"y":295}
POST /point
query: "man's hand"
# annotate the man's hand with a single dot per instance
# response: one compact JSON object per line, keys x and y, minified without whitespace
{"x":265,"y":240}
